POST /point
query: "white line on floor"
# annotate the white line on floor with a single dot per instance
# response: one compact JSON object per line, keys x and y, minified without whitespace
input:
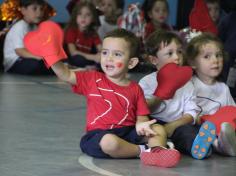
{"x":87,"y":162}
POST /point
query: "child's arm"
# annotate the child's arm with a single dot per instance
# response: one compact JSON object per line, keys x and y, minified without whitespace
{"x":23,"y":52}
{"x":94,"y":57}
{"x":171,"y":126}
{"x":143,"y":126}
{"x":64,"y":73}
{"x":154,"y":103}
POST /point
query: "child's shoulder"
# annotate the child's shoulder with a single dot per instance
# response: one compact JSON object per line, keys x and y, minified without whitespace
{"x":21,"y":24}
{"x":149,"y":76}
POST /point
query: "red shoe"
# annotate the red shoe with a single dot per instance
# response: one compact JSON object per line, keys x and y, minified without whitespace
{"x":160,"y":156}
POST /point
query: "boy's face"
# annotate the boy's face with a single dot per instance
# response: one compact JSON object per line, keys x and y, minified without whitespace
{"x":214,"y":11}
{"x":33,"y":13}
{"x":115,"y":58}
{"x":159,"y":12}
{"x":171,"y":53}
{"x":209,"y":62}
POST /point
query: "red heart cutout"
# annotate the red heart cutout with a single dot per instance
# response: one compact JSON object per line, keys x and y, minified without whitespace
{"x":170,"y":78}
{"x":224,"y":114}
{"x":200,"y":19}
{"x":47,"y":42}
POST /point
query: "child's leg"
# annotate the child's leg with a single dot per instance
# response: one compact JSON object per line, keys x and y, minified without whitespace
{"x":226,"y":142}
{"x":183,"y":138}
{"x":160,"y":138}
{"x":30,"y":67}
{"x":118,"y":148}
{"x":204,"y":140}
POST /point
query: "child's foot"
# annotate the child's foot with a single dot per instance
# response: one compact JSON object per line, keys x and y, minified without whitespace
{"x":226,"y":140}
{"x":160,"y":156}
{"x":203,"y":141}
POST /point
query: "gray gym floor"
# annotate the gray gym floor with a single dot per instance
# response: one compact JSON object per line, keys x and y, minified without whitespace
{"x":41,"y":122}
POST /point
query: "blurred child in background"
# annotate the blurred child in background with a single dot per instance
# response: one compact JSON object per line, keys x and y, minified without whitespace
{"x":81,"y":38}
{"x":112,"y":10}
{"x":17,"y":59}
{"x":155,"y":13}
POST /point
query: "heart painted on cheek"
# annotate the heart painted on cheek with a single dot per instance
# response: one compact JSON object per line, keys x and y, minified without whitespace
{"x":119,"y":64}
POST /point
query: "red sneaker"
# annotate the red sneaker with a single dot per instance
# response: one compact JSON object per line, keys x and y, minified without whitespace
{"x":160,"y":156}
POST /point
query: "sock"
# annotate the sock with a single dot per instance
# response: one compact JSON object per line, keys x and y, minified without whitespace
{"x":142,"y":148}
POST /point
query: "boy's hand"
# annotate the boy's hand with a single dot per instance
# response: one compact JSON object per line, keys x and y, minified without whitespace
{"x":170,"y":78}
{"x":144,"y":128}
{"x":46,"y":42}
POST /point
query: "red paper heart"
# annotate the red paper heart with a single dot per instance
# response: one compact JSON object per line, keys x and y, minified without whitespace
{"x":47,"y":42}
{"x":200,"y":19}
{"x":224,"y":114}
{"x":170,"y":78}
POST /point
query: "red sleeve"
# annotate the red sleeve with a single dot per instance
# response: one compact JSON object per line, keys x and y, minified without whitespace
{"x":70,"y":35}
{"x":97,"y":40}
{"x":84,"y":80}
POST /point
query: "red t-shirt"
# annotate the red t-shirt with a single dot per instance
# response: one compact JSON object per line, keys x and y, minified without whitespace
{"x":150,"y":28}
{"x":83,"y":42}
{"x":109,"y":105}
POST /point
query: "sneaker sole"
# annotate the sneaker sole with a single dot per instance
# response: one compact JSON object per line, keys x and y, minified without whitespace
{"x":163,"y":158}
{"x":227,"y":139}
{"x":203,"y":140}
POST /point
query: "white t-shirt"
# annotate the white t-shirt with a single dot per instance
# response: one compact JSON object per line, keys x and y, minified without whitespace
{"x":211,"y":97}
{"x":14,"y":40}
{"x":182,"y":103}
{"x":105,"y":27}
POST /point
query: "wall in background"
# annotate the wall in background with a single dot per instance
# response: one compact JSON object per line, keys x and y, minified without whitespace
{"x":62,"y":15}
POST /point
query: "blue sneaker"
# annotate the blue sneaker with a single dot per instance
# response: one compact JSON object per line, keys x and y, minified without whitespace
{"x":203,"y":141}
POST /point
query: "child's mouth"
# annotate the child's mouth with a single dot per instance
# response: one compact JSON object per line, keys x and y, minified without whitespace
{"x":110,"y":67}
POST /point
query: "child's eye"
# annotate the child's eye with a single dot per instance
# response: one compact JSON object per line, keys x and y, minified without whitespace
{"x":180,"y":52}
{"x":207,"y":56}
{"x":117,"y":54}
{"x":170,"y":53}
{"x":104,"y":52}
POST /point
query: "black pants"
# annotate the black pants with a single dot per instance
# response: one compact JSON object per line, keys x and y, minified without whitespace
{"x":184,"y":136}
{"x":80,"y":61}
{"x":27,"y":66}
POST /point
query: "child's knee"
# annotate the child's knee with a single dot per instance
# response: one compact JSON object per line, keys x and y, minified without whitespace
{"x":109,"y":143}
{"x":159,"y":129}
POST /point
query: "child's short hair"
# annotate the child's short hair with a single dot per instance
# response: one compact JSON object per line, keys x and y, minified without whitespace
{"x":148,"y":5}
{"x":195,"y":44}
{"x":158,"y":37}
{"x":129,"y":37}
{"x":25,"y":3}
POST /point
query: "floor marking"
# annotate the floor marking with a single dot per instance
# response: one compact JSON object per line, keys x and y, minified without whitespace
{"x":87,"y":162}
{"x":18,"y":83}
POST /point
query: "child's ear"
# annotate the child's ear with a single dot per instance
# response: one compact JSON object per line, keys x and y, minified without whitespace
{"x":133,"y":62}
{"x":153,"y":59}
